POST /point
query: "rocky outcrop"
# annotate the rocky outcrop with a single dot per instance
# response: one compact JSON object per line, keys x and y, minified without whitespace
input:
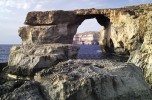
{"x":20,"y":90}
{"x":127,"y":29}
{"x":143,"y":57}
{"x":80,"y":80}
{"x":27,"y":60}
{"x":103,"y":80}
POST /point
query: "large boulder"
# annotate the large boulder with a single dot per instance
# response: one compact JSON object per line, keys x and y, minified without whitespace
{"x":27,"y":60}
{"x":103,"y":80}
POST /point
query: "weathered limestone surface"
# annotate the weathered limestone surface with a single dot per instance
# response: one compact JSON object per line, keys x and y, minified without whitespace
{"x":27,"y":60}
{"x":127,"y":29}
{"x":143,"y":57}
{"x":105,"y":80}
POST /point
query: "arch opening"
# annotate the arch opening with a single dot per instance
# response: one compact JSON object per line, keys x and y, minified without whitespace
{"x":87,"y":38}
{"x":103,"y":22}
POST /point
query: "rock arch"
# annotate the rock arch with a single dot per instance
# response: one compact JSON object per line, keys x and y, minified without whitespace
{"x":60,"y":26}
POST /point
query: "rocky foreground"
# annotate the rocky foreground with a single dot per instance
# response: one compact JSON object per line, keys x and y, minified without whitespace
{"x":80,"y":80}
{"x":44,"y":66}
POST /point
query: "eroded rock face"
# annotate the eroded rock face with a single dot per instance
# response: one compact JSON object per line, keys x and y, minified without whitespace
{"x":127,"y":29}
{"x":104,"y":80}
{"x":143,"y":57}
{"x":45,"y":34}
{"x":49,"y":17}
{"x":27,"y":60}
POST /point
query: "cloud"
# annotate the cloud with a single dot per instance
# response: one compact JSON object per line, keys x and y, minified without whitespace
{"x":5,"y":10}
{"x":19,"y":4}
{"x":2,"y":2}
{"x":38,"y":7}
{"x":23,"y":5}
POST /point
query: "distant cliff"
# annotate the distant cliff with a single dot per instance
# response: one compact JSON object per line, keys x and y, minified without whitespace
{"x":89,"y":37}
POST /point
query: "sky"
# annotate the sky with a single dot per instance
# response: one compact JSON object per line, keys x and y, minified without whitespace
{"x":13,"y":13}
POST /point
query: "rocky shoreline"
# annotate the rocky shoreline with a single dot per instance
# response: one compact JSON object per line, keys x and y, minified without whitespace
{"x":80,"y":79}
{"x":45,"y":67}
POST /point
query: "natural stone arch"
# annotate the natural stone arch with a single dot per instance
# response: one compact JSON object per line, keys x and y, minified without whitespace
{"x":59,"y":27}
{"x":101,"y":19}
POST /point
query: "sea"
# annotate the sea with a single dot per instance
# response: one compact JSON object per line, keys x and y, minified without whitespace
{"x":4,"y":52}
{"x":85,"y":52}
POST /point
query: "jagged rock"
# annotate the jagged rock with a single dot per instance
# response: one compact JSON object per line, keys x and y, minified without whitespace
{"x":78,"y":80}
{"x":21,"y":90}
{"x":143,"y":56}
{"x":27,"y":60}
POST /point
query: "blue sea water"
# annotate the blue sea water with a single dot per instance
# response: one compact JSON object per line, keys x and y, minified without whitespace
{"x":85,"y":52}
{"x":89,"y":52}
{"x":4,"y":52}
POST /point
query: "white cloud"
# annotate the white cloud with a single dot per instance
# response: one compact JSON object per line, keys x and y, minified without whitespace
{"x":2,"y":2}
{"x":23,"y":5}
{"x":38,"y":7}
{"x":20,"y":4}
{"x":9,"y":3}
{"x":5,"y":10}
